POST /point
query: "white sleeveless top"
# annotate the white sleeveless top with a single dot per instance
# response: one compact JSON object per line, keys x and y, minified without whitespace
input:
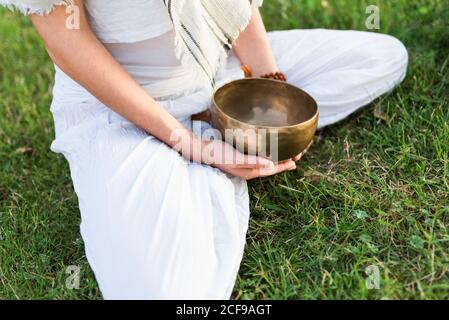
{"x":119,"y":21}
{"x":113,"y":21}
{"x":139,"y":35}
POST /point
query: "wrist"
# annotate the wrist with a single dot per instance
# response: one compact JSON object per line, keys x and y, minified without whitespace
{"x":182,"y":141}
{"x":190,"y":146}
{"x":259,"y":71}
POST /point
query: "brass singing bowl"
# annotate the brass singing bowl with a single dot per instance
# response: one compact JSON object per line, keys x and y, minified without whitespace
{"x":283,"y":117}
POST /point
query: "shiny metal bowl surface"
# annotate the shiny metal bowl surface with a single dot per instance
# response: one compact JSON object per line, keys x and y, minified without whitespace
{"x":283,"y":117}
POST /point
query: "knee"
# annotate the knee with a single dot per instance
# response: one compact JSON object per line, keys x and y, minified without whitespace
{"x":396,"y":47}
{"x":393,"y":55}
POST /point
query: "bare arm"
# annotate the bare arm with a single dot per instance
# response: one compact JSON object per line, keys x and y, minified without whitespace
{"x":253,"y":48}
{"x":82,"y":57}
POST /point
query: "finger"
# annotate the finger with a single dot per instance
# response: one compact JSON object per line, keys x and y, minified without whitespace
{"x":249,"y":174}
{"x":287,"y":165}
{"x":264,"y":163}
{"x":298,"y":157}
{"x":280,"y":167}
{"x":254,"y":162}
{"x":252,"y":173}
{"x":285,"y":161}
{"x":239,"y":160}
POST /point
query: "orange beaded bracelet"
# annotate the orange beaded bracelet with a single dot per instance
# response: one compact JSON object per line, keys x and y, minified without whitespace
{"x":274,"y":75}
{"x":247,"y":70}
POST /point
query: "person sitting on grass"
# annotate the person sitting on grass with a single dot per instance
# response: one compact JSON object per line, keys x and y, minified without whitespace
{"x":158,"y":222}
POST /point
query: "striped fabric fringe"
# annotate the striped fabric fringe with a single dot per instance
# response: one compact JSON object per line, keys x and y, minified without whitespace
{"x":205,"y":32}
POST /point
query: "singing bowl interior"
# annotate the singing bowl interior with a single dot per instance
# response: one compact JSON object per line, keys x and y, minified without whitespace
{"x":265,"y":103}
{"x":270,"y":105}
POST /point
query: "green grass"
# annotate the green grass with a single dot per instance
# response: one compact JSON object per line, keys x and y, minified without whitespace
{"x":373,"y":190}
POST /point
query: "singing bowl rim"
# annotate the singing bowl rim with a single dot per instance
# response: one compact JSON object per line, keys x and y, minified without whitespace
{"x":300,"y":124}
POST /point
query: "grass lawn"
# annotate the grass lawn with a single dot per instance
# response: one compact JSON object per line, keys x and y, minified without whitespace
{"x":373,"y":190}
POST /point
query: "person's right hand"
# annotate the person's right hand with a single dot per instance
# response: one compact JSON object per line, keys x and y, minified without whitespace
{"x":225,"y":157}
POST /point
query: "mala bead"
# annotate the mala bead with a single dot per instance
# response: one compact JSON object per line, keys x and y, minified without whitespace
{"x":280,"y":76}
